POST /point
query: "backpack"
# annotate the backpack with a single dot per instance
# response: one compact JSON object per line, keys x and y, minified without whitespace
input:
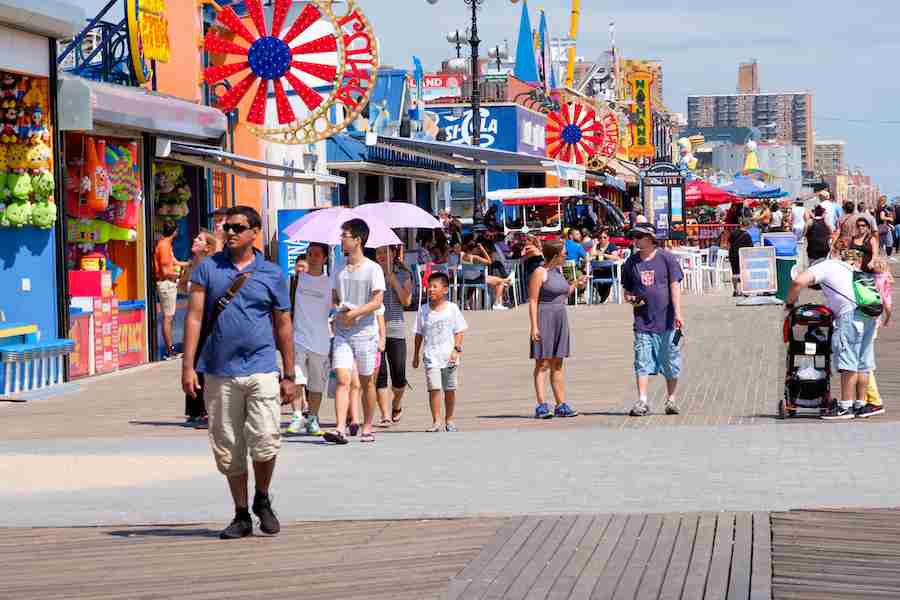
{"x":866,"y":295}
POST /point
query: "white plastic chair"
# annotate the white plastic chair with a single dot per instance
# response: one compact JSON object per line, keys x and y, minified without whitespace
{"x":482,"y":291}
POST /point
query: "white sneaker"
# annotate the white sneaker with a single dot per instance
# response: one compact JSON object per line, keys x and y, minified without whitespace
{"x":298,"y":424}
{"x":500,"y":307}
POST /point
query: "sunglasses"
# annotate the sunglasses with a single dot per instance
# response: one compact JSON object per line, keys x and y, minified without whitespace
{"x":235,"y":228}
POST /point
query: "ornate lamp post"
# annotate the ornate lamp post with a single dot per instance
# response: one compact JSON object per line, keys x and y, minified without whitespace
{"x":474,"y":42}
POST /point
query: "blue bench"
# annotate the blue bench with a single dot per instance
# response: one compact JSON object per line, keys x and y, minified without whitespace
{"x":33,"y":366}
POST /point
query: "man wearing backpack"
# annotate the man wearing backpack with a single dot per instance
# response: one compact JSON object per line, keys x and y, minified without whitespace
{"x":854,"y":304}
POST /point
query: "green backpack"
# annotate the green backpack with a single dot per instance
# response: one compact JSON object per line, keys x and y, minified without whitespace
{"x":867,"y":298}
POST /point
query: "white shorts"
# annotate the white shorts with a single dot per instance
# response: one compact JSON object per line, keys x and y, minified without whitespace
{"x":446,"y":379}
{"x":363,"y":351}
{"x":312,"y":370}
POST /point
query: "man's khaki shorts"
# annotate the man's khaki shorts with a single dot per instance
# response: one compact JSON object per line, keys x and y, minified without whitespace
{"x":168,"y":297}
{"x":244,"y":415}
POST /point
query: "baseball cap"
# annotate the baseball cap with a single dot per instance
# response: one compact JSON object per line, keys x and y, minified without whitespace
{"x":644,"y":229}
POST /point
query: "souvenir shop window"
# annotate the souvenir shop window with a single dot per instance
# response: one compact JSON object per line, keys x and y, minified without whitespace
{"x":26,"y":153}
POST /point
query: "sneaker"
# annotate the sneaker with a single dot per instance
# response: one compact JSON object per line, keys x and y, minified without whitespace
{"x":869,"y":410}
{"x":500,"y":307}
{"x":640,"y":409}
{"x":262,"y":508}
{"x":451,"y":428}
{"x":191,"y":422}
{"x":838,"y":413}
{"x":240,"y":527}
{"x":672,"y":408}
{"x":543,"y":411}
{"x":297,"y":423}
{"x":202,"y":423}
{"x":564,"y":410}
{"x":336,"y":437}
{"x":171,"y":353}
{"x":312,"y":426}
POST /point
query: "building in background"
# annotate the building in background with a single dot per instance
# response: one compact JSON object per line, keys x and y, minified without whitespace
{"x":785,"y":118}
{"x":830,"y":157}
{"x":748,"y":78}
{"x":782,"y":162}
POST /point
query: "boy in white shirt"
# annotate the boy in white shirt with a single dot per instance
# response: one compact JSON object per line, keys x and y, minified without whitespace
{"x":440,"y":326}
{"x":358,"y":293}
{"x":311,"y":294}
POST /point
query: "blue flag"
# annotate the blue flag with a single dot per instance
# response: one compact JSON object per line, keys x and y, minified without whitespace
{"x":526,"y":64}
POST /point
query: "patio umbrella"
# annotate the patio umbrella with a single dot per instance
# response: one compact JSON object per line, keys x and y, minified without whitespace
{"x":699,"y":193}
{"x":751,"y":188}
{"x":324,"y":227}
{"x":399,"y":215}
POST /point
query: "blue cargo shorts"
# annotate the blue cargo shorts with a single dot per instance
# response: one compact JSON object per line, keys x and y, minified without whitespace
{"x":654,"y":354}
{"x":853,"y":344}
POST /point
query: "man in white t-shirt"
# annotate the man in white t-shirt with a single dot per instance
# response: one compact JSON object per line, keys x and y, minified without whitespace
{"x":853,"y":347}
{"x":312,"y":298}
{"x":830,"y":209}
{"x":798,"y":219}
{"x":358,"y":293}
{"x":440,"y":327}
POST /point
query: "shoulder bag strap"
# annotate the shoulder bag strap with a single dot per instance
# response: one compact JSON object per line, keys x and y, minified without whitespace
{"x":220,"y":305}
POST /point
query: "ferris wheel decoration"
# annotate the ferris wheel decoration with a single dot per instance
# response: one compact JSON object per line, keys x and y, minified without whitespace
{"x":573,"y":133}
{"x":321,"y":50}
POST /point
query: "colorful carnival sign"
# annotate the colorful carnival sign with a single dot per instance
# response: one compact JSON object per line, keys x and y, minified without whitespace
{"x":148,"y":35}
{"x":573,"y":133}
{"x":321,"y":50}
{"x":640,"y":84}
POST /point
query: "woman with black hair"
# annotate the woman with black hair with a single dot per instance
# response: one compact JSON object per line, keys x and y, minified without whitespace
{"x":397,"y":297}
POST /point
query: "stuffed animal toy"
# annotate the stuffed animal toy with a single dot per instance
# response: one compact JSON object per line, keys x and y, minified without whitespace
{"x":18,"y":181}
{"x":43,"y":215}
{"x":19,"y":214}
{"x":37,"y":131}
{"x":43,"y":186}
{"x":8,"y":84}
{"x":9,"y":131}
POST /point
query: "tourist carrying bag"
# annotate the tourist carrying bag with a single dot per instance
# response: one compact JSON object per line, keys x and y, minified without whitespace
{"x":220,"y":305}
{"x":866,"y":297}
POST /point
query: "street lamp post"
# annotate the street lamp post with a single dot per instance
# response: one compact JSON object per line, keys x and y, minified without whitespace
{"x":474,"y":42}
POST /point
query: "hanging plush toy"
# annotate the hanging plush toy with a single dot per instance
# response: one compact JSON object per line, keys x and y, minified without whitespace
{"x":37,"y":130}
{"x":8,"y":84}
{"x":98,"y":193}
{"x":4,"y":189}
{"x":19,"y":181}
{"x":19,"y":214}
{"x":9,"y":131}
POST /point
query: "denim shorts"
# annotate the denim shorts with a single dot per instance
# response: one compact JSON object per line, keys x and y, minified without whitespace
{"x":853,"y":344}
{"x":654,"y":354}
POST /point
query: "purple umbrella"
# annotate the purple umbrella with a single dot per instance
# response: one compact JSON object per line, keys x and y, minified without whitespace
{"x":399,"y":215}
{"x":324,"y":226}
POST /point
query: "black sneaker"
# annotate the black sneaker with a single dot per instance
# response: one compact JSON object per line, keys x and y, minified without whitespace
{"x":837,"y":413}
{"x":869,"y":410}
{"x":336,"y":437}
{"x":241,"y":527}
{"x":262,"y":508}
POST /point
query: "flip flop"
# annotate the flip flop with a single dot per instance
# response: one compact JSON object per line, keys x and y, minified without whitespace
{"x":396,"y":414}
{"x":367,"y":437}
{"x":335,"y":437}
{"x":385,"y":423}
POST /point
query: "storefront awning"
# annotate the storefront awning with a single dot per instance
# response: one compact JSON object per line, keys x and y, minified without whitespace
{"x":532,"y":193}
{"x":626,"y":171}
{"x":52,"y":18}
{"x":608,"y":180}
{"x":471,"y":157}
{"x":217,"y":159}
{"x":85,"y":105}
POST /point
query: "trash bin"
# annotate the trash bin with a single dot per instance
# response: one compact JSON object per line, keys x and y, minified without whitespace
{"x":784,"y":266}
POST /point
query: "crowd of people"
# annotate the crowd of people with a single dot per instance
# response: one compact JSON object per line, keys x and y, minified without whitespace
{"x":255,"y":342}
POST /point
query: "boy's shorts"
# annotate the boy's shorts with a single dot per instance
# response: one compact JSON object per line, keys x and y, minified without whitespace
{"x":363,"y":351}
{"x":654,"y":354}
{"x":446,"y":379}
{"x":853,"y":344}
{"x":312,"y":370}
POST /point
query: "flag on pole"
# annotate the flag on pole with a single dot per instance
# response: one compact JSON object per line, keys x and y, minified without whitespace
{"x":526,"y":65}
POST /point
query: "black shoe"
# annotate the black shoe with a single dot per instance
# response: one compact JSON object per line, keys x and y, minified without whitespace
{"x":241,"y":527}
{"x":869,"y":410}
{"x":838,"y":413}
{"x":262,"y":508}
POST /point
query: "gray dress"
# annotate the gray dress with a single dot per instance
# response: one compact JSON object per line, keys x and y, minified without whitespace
{"x":553,"y":320}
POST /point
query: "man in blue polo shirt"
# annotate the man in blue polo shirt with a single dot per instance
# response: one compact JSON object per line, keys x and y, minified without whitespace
{"x":238,"y":359}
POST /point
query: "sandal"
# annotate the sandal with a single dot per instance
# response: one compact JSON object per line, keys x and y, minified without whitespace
{"x":433,"y":429}
{"x":367,"y":437}
{"x":396,"y":413}
{"x":385,"y":423}
{"x":335,"y":437}
{"x":354,"y":429}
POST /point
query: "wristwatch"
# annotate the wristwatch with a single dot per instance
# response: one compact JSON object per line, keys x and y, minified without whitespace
{"x":458,"y":349}
{"x":291,"y":378}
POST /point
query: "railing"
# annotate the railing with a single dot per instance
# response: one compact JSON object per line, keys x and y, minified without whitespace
{"x":110,"y":59}
{"x":708,"y":234}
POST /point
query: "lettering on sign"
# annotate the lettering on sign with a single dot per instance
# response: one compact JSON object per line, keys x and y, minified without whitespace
{"x":359,"y":61}
{"x":641,"y":91}
{"x":459,"y":129}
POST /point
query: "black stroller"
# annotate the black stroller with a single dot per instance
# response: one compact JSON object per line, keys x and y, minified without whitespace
{"x":808,"y":330}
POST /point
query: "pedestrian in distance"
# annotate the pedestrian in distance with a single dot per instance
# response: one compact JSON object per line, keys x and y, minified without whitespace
{"x":548,"y":295}
{"x":884,"y":282}
{"x":166,"y":268}
{"x":397,"y":297}
{"x":854,"y":333}
{"x":239,"y":313}
{"x":865,"y":242}
{"x":312,"y":303}
{"x":358,"y":294}
{"x":740,"y":238}
{"x":652,"y":281}
{"x":440,"y":328}
{"x":818,"y":236}
{"x":203,"y":246}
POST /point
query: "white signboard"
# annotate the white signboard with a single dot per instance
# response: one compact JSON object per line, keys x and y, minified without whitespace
{"x":758,"y":274}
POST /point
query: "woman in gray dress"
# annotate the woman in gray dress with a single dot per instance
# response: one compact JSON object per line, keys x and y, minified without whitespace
{"x":548,"y":294}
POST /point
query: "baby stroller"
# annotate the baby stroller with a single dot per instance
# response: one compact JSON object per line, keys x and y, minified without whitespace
{"x":808,"y":330}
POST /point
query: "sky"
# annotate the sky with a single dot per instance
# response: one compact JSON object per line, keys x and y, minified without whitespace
{"x":845,"y":53}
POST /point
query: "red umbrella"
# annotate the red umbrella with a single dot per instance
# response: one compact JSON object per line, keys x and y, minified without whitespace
{"x":700,"y":193}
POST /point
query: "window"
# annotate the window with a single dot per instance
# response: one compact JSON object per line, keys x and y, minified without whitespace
{"x":399,"y":189}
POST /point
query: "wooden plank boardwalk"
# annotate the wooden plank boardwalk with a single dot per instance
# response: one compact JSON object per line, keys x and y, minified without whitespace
{"x":825,"y":554}
{"x":405,"y":560}
{"x":722,"y":556}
